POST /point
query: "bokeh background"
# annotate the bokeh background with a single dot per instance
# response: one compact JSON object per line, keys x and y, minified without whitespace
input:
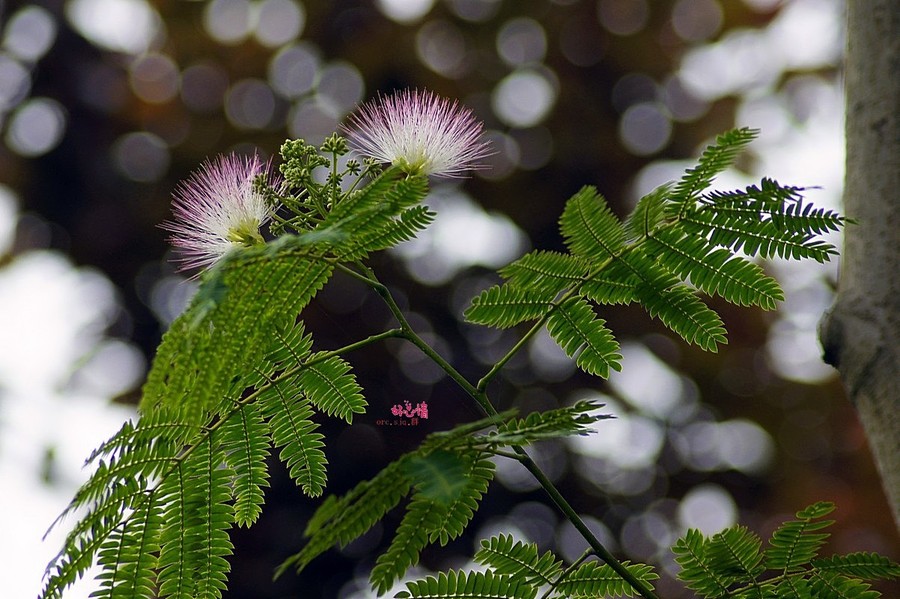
{"x":106,"y":104}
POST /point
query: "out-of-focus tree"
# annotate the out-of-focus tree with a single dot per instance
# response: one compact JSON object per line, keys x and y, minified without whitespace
{"x":861,"y":335}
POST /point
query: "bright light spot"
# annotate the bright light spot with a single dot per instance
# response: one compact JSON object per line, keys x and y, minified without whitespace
{"x":521,"y":41}
{"x":463,"y":235}
{"x":745,"y":446}
{"x":341,"y":86}
{"x":294,"y":70}
{"x":113,"y":369}
{"x":628,"y":441}
{"x":405,"y":11}
{"x":791,"y":31}
{"x":645,"y":129}
{"x":795,"y":354}
{"x":36,"y":127}
{"x":29,"y":33}
{"x":742,"y":60}
{"x":228,"y":21}
{"x":696,"y":20}
{"x":646,"y":382}
{"x":8,"y":218}
{"x":523,"y":98}
{"x":680,"y":103}
{"x":15,"y":82}
{"x":623,"y":17}
{"x":154,"y":78}
{"x":734,"y":444}
{"x":646,"y":533}
{"x":119,"y":25}
{"x":279,"y":21}
{"x":250,"y":104}
{"x":50,"y":316}
{"x":141,"y":156}
{"x":709,"y":508}
{"x":763,"y":6}
{"x":442,"y":48}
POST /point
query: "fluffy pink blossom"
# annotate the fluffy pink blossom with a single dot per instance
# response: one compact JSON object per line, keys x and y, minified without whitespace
{"x":420,"y":133}
{"x":217,"y":209}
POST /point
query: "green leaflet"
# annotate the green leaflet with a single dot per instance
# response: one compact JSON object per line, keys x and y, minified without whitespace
{"x":715,"y":270}
{"x":504,"y":306}
{"x":442,"y":505}
{"x":166,"y":491}
{"x":796,"y":542}
{"x":294,"y":432}
{"x":871,"y":566}
{"x":589,"y":227}
{"x":584,"y":337}
{"x":462,"y":585}
{"x":519,"y":560}
{"x":714,"y":160}
{"x":245,"y":443}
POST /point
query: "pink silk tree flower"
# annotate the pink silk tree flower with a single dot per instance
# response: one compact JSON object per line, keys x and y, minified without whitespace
{"x":419,"y":133}
{"x":216,"y":209}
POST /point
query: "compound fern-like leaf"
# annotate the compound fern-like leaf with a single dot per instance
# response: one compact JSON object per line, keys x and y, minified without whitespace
{"x":834,"y":586}
{"x":734,"y":554}
{"x":663,"y":297}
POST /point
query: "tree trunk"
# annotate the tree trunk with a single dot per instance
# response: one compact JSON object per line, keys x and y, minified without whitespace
{"x":861,"y":335}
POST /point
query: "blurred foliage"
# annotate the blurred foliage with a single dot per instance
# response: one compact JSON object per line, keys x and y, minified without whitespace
{"x":126,"y":98}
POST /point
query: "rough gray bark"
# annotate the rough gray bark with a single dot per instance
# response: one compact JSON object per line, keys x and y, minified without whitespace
{"x":861,"y":335}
